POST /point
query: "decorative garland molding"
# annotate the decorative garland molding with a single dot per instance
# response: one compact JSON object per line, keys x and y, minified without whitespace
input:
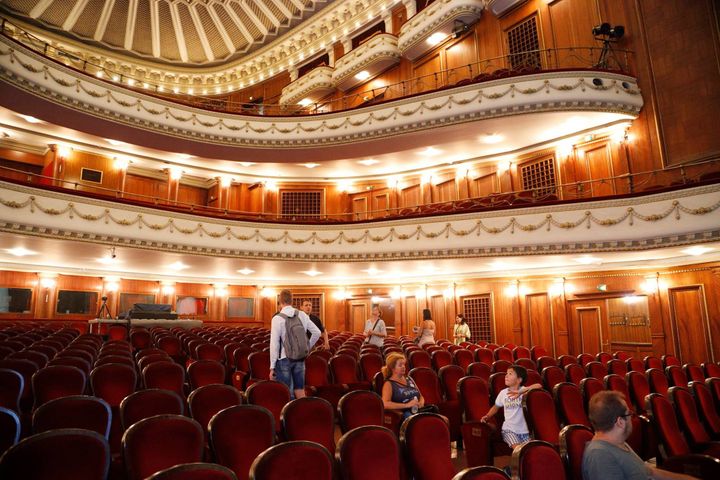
{"x":555,"y":91}
{"x":673,"y":218}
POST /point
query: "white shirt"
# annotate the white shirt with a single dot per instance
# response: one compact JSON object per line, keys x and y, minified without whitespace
{"x":277,"y":332}
{"x":380,"y":328}
{"x":514,"y":416}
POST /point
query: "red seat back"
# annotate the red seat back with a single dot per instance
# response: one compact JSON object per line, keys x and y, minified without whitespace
{"x":37,"y":357}
{"x":419,"y":359}
{"x":206,"y":401}
{"x":574,"y":373}
{"x":449,"y":377}
{"x":62,"y":454}
{"x":663,"y":417}
{"x":148,"y":403}
{"x":585,"y":358}
{"x":271,"y":395}
{"x":503,"y":353}
{"x":676,"y":376}
{"x":112,"y":382}
{"x":570,"y":404}
{"x":572,"y":446}
{"x":544,"y":362}
{"x":484,"y":472}
{"x":589,"y":387}
{"x":596,"y":369}
{"x":618,"y":384}
{"x":11,"y":387}
{"x":209,"y":351}
{"x":474,"y":398}
{"x":259,"y":365}
{"x":299,"y":460}
{"x":205,"y":372}
{"x":617,"y":367}
{"x":639,"y":388}
{"x":537,"y":352}
{"x":370,"y":364}
{"x":551,"y":376}
{"x":26,"y":369}
{"x":463,"y":357}
{"x":309,"y":418}
{"x":479,"y":369}
{"x":139,"y":338}
{"x":160,"y":442}
{"x":426,"y":441}
{"x":653,"y":362}
{"x":687,"y":414}
{"x":693,"y":372}
{"x":195,"y":471}
{"x":9,"y":429}
{"x":165,"y":375}
{"x":484,"y":355}
{"x":57,"y":381}
{"x":77,"y":411}
{"x":441,"y":358}
{"x":500,"y":366}
{"x":497,"y":383}
{"x":344,"y":369}
{"x":565,"y":360}
{"x":316,"y":371}
{"x":521,"y":352}
{"x":239,"y":434}
{"x":603,"y":357}
{"x":541,"y":416}
{"x":527,"y":363}
{"x":428,"y":383}
{"x":657,"y":380}
{"x":706,"y":407}
{"x":356,"y":446}
{"x":668,"y":360}
{"x":360,"y":407}
{"x":711,"y":370}
{"x":525,"y":461}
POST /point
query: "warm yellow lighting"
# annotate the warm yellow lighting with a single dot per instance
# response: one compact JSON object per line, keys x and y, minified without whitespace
{"x":393,"y":182}
{"x":344,"y":185}
{"x":225,"y":182}
{"x":48,"y":282}
{"x":30,"y":119}
{"x":112,"y":286}
{"x":268,"y":292}
{"x":271,"y":185}
{"x":449,"y":292}
{"x":99,"y":73}
{"x":696,"y":250}
{"x":503,"y":166}
{"x":122,"y":163}
{"x":425,"y":178}
{"x":220,"y":290}
{"x":20,"y":252}
{"x":368,"y":162}
{"x":436,"y":38}
{"x":340,"y":294}
{"x":564,"y":149}
{"x":375,"y":299}
{"x":63,"y":151}
{"x":395,"y":293}
{"x":557,"y":288}
{"x":511,"y":290}
{"x":246,"y":271}
{"x":311,"y":273}
{"x":131,"y":81}
{"x":305,"y":102}
{"x":589,"y":260}
{"x":168,"y":289}
{"x":491,"y":138}
{"x":309,"y":165}
{"x":430,"y":152}
{"x":177,"y":266}
{"x":175,"y":173}
{"x":364,"y":75}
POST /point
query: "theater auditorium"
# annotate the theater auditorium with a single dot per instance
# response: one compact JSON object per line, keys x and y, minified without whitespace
{"x":546,"y":171}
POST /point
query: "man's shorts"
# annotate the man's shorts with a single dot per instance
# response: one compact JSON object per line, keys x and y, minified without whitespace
{"x":291,"y":373}
{"x":512,"y":438}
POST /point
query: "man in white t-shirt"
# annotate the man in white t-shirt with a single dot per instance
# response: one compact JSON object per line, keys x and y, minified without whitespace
{"x":514,"y":430}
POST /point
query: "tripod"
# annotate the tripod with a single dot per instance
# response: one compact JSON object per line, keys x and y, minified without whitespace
{"x":104,"y":311}
{"x":606,"y":54}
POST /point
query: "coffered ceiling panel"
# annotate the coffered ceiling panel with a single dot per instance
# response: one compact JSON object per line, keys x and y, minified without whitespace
{"x":197,"y":32}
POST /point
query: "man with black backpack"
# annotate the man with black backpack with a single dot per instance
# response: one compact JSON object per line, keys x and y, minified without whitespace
{"x":289,"y":344}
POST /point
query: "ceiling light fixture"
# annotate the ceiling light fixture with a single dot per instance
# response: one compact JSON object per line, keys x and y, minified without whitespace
{"x":20,"y":252}
{"x":311,"y":273}
{"x":177,"y":266}
{"x":305,"y":102}
{"x":436,"y":38}
{"x":371,"y":271}
{"x":309,"y":165}
{"x":364,"y":75}
{"x":589,"y":260}
{"x":368,"y":162}
{"x":696,"y":250}
{"x":430,"y":152}
{"x":246,"y":271}
{"x":491,"y":138}
{"x":246,"y":164}
{"x":30,"y":119}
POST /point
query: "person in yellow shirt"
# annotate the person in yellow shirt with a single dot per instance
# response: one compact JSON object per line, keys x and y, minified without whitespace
{"x":461,"y":331}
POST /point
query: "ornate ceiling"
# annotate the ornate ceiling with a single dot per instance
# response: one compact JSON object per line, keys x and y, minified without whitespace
{"x":189,"y":32}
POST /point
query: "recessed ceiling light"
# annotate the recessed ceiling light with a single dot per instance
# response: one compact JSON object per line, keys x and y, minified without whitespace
{"x":108,"y":260}
{"x":430,"y":152}
{"x":305,"y":102}
{"x":115,"y":142}
{"x":311,"y":273}
{"x":184,"y":156}
{"x":364,"y":75}
{"x":696,"y":250}
{"x":368,"y":162}
{"x":436,"y":38}
{"x":20,"y":251}
{"x":246,"y":271}
{"x":371,"y":271}
{"x":589,"y":260}
{"x":491,"y":138}
{"x":177,"y":266}
{"x":246,"y":164}
{"x":309,"y":165}
{"x":30,"y":119}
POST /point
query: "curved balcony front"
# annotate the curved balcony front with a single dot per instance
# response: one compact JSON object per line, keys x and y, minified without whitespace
{"x":374,"y":56}
{"x":443,"y":18}
{"x":309,"y":88}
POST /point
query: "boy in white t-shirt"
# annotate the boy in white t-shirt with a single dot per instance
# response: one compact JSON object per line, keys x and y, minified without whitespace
{"x":514,"y":430}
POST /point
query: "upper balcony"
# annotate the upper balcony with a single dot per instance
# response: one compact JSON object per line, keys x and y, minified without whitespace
{"x":309,"y":88}
{"x":430,"y":26}
{"x":366,"y":61}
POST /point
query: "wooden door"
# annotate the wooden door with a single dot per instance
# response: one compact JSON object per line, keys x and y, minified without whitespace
{"x":590,"y":330}
{"x":358,"y":314}
{"x":690,"y":324}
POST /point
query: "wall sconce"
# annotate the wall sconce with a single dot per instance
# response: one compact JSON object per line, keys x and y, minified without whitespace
{"x":504,"y":166}
{"x":557,"y":288}
{"x":63,"y":151}
{"x":48,"y":282}
{"x":449,"y":292}
{"x":395,"y":293}
{"x":175,"y":173}
{"x":341,"y":294}
{"x":512,"y":289}
{"x":225,"y":182}
{"x":167,"y":289}
{"x":122,"y":163}
{"x":650,"y":284}
{"x":268,"y":292}
{"x":270,"y":185}
{"x":220,"y":290}
{"x":112,"y":286}
{"x":564,"y":149}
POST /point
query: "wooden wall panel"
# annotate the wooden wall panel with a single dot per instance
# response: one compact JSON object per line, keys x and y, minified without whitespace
{"x":411,"y":312}
{"x":426,"y":73}
{"x":571,"y":23}
{"x":410,"y":196}
{"x":445,"y":191}
{"x":599,"y":165}
{"x":687,"y":93}
{"x":540,"y":320}
{"x":460,"y":59}
{"x":690,"y":323}
{"x":437,"y":308}
{"x":77,"y":160}
{"x":193,"y":195}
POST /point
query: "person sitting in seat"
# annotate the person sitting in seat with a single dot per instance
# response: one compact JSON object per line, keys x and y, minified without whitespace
{"x":514,"y":430}
{"x":399,"y":391}
{"x":607,"y":456}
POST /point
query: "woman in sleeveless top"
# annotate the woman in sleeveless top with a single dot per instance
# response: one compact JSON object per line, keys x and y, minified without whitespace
{"x":427,"y":335}
{"x":461,"y":331}
{"x":399,"y":391}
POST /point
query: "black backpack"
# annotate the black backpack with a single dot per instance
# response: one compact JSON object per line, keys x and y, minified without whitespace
{"x":295,"y":342}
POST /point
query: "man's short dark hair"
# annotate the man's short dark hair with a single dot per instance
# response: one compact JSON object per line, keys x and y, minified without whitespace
{"x":521,"y":372}
{"x":286,"y":297}
{"x":605,"y":408}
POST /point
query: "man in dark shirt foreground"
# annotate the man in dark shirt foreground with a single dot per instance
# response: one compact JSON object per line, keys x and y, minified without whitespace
{"x":306,"y":307}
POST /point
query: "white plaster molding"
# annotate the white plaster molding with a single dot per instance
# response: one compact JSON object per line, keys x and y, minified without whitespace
{"x":314,"y":85}
{"x":375,"y":56}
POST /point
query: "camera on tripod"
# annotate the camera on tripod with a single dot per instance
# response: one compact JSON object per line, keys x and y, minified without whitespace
{"x":607,"y":34}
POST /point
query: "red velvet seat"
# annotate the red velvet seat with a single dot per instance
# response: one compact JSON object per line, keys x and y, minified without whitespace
{"x":370,"y":364}
{"x":78,"y":411}
{"x":12,"y":385}
{"x":195,"y":471}
{"x":428,"y":383}
{"x":693,"y":372}
{"x":676,"y":376}
{"x":463,"y":358}
{"x":311,"y":419}
{"x":239,"y":434}
{"x":503,"y":353}
{"x":299,"y":460}
{"x":500,"y":366}
{"x":484,"y":355}
{"x":209,"y":351}
{"x":146,"y":352}
{"x":26,"y":369}
{"x":527,"y":363}
{"x":687,"y":415}
{"x":479,"y":369}
{"x":66,"y":454}
{"x":344,"y":370}
{"x":241,"y":364}
{"x":165,"y":375}
{"x":419,"y":359}
{"x":639,"y":388}
{"x":596,"y":369}
{"x":359,"y":408}
{"x":270,"y":394}
{"x":589,"y":387}
{"x":475,"y":402}
{"x":57,"y":381}
{"x":711,"y":369}
{"x":449,"y":376}
{"x":574,"y":373}
{"x":572,"y":446}
{"x":657,"y":381}
{"x":551,"y":376}
{"x":205,"y":372}
{"x":148,"y":403}
{"x":707,"y":408}
{"x":153,"y":358}
{"x":570,"y":404}
{"x":139,"y":338}
{"x":204,"y":402}
{"x":37,"y":357}
{"x":584,"y":358}
{"x":544,"y":362}
{"x":9,"y":429}
{"x":538,"y":352}
{"x":635,"y":365}
{"x":653,"y":362}
{"x":440,"y":358}
{"x":525,"y":461}
{"x":617,"y":367}
{"x":160,"y":442}
{"x":317,"y":384}
{"x":116,"y":359}
{"x":425,"y":438}
{"x":259,"y":363}
{"x":565,"y":360}
{"x":496,"y":383}
{"x":72,"y":361}
{"x":370,"y":441}
{"x":540,"y":414}
{"x":668,"y":360}
{"x":485,"y":472}
{"x":521,"y":352}
{"x":603,"y":357}
{"x":172,"y":346}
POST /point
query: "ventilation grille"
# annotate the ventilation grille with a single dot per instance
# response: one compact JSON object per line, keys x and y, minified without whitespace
{"x":90,"y":175}
{"x":299,"y":205}
{"x":524,"y":45}
{"x":478,"y":317}
{"x":539,"y":177}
